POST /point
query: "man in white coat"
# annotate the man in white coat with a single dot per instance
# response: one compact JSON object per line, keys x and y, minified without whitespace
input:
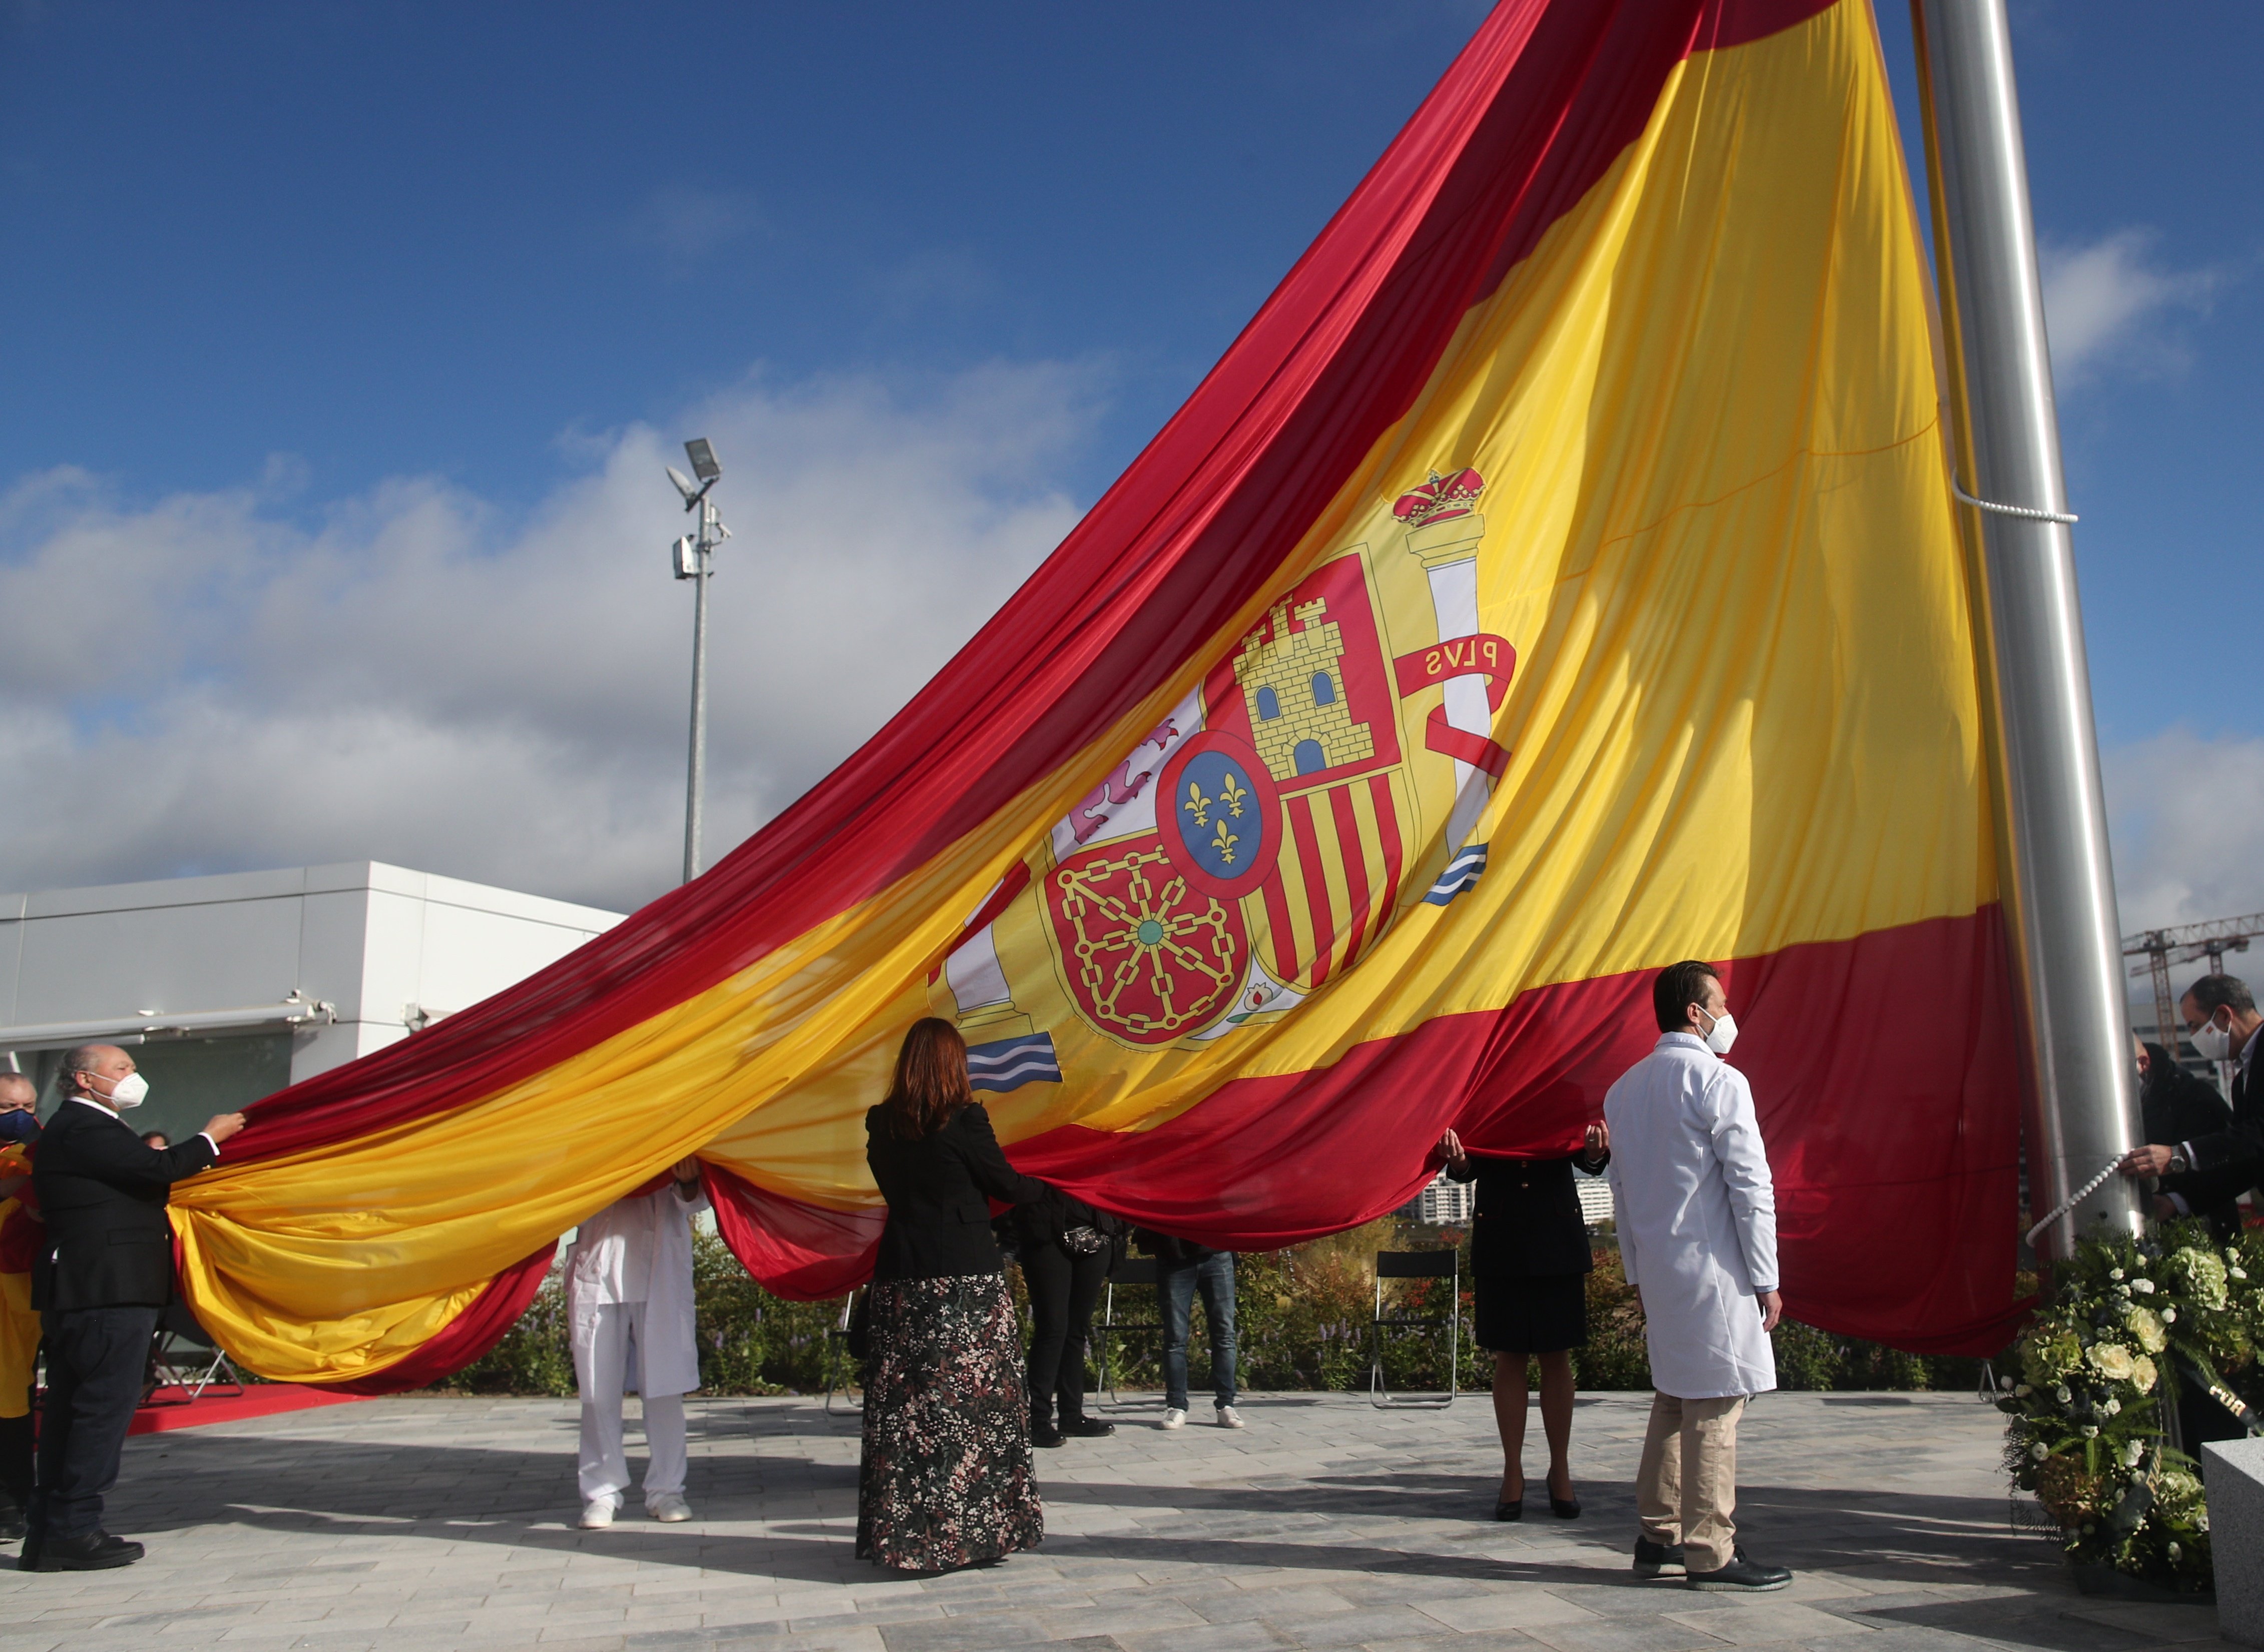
{"x":628,"y":1294}
{"x":1697,"y":1230}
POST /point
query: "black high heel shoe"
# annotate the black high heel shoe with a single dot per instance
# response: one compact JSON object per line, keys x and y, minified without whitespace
{"x":1510,"y":1508}
{"x":1564,"y":1507}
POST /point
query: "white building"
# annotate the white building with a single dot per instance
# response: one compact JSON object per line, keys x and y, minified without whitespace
{"x":230,"y":987}
{"x":1446,"y":1203}
{"x":1443,"y":1204}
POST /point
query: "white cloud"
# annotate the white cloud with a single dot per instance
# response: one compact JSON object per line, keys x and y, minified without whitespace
{"x":686,"y":223}
{"x":2109,"y":303}
{"x":2187,"y":816}
{"x":212,"y":687}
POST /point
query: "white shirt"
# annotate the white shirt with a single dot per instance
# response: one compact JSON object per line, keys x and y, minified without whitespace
{"x":639,"y":1250}
{"x":1697,"y":1218}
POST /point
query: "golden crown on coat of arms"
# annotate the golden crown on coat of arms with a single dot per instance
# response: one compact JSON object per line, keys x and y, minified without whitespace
{"x":1439,"y":498}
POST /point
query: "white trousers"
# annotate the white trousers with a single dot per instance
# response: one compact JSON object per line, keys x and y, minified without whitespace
{"x":601,"y":1370}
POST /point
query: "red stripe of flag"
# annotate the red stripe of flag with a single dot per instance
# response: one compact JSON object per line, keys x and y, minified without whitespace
{"x":1352,"y":850}
{"x":1300,"y":811}
{"x":1387,"y":832}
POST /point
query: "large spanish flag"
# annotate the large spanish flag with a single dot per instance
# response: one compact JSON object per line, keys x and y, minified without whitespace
{"x":1557,"y":579}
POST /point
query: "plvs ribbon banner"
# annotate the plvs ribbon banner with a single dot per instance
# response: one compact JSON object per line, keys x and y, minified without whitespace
{"x":1557,"y":579}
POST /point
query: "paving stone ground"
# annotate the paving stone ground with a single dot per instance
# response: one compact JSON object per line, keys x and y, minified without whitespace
{"x":423,"y":1524}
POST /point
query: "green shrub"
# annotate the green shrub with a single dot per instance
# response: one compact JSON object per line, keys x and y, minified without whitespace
{"x":1301,"y":1322}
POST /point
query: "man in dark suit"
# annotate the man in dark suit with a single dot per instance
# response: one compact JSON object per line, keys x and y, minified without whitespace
{"x":2216,"y":1166}
{"x":101,"y":1279}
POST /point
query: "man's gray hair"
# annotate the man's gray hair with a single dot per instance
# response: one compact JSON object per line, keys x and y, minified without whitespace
{"x":79,"y":1059}
{"x":23,"y":1078}
{"x":2213,"y":992}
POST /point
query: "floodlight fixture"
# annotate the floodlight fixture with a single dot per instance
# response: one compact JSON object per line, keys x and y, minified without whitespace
{"x":703,"y":459}
{"x":683,"y":486}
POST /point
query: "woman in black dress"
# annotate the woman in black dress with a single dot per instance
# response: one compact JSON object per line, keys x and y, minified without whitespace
{"x":1529,"y":1256}
{"x":944,"y":1479}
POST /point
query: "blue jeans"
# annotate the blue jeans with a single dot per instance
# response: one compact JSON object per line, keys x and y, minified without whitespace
{"x":1177,"y":1284}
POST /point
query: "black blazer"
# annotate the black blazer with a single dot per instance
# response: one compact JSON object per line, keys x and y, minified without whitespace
{"x":108,"y":1243}
{"x":2176,"y":1106}
{"x":939,"y":1190}
{"x":2229,"y":1160}
{"x":1528,"y":1223}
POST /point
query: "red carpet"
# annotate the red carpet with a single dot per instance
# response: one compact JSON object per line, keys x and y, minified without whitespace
{"x":257,"y":1400}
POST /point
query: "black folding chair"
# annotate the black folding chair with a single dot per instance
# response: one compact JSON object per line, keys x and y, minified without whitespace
{"x":838,"y":1361}
{"x":1442,"y":1263}
{"x":1129,"y":1270}
{"x":183,"y":1356}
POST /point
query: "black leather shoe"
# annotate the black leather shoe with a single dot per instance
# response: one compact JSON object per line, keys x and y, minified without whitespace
{"x":97,"y":1552}
{"x":1564,"y":1507}
{"x":11,"y":1523}
{"x":1741,"y":1576}
{"x":1087,"y":1428}
{"x":1658,"y":1560}
{"x":1044,"y":1434}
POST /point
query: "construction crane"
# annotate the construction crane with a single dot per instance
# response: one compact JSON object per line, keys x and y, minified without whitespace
{"x":2211,"y":940}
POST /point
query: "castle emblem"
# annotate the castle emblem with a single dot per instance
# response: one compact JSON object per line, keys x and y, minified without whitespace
{"x":1293,"y":682}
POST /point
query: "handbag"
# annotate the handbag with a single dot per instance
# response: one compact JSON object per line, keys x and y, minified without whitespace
{"x":1084,"y":1240}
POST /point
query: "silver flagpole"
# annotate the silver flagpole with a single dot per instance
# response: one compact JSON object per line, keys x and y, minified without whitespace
{"x":2059,"y":884}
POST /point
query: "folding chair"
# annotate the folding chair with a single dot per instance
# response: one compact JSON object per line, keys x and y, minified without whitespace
{"x":1128,"y":1270}
{"x":1442,"y":1263}
{"x":182,"y":1356}
{"x":838,"y":1361}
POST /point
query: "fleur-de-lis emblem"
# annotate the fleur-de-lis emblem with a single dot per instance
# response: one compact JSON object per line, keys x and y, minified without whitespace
{"x":1224,"y":843}
{"x":1234,"y":794}
{"x":1197,"y":804}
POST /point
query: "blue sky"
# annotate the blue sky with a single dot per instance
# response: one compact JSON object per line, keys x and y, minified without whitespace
{"x":349,"y":337}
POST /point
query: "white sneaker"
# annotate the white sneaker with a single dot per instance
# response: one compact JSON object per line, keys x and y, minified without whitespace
{"x":668,"y":1506}
{"x":1228,"y":1417}
{"x":598,"y":1515}
{"x":1176,"y":1417}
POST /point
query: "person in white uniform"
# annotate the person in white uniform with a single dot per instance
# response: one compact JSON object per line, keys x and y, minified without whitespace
{"x":1697,"y":1231}
{"x":628,"y":1294}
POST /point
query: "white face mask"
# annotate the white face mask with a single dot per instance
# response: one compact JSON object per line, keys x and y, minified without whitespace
{"x":2211,"y":1042}
{"x":130,"y":1091}
{"x":1724,"y":1032}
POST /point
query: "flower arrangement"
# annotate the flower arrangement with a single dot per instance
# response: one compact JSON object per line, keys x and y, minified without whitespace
{"x":2099,"y":1369}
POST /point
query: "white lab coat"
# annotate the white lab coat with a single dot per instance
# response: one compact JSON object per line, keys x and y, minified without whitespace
{"x":639,"y":1250}
{"x":1697,"y":1218}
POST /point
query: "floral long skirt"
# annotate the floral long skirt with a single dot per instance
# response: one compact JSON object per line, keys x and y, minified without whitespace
{"x":946,"y":1479}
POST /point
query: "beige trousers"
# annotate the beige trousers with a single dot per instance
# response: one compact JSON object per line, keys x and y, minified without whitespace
{"x":1688,"y":1488}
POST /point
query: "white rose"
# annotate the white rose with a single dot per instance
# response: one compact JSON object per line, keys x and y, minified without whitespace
{"x":2039,"y":1450}
{"x":2115,"y":1273}
{"x":2144,"y":1287}
{"x":2090,"y":1432}
{"x":2169,"y":1316}
{"x":2174,"y":1551}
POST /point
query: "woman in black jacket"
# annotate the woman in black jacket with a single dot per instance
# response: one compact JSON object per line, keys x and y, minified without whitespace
{"x":1529,"y":1256}
{"x":944,"y":1479}
{"x":1066,"y":1248}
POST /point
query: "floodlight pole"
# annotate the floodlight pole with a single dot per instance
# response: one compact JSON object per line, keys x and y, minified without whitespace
{"x":696,"y":769}
{"x":2057,"y":881}
{"x":701,"y":548}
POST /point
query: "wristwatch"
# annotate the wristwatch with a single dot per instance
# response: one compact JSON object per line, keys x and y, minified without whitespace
{"x":2178,"y":1163}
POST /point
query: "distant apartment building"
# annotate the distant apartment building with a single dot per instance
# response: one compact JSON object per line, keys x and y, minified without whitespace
{"x":1446,"y":1203}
